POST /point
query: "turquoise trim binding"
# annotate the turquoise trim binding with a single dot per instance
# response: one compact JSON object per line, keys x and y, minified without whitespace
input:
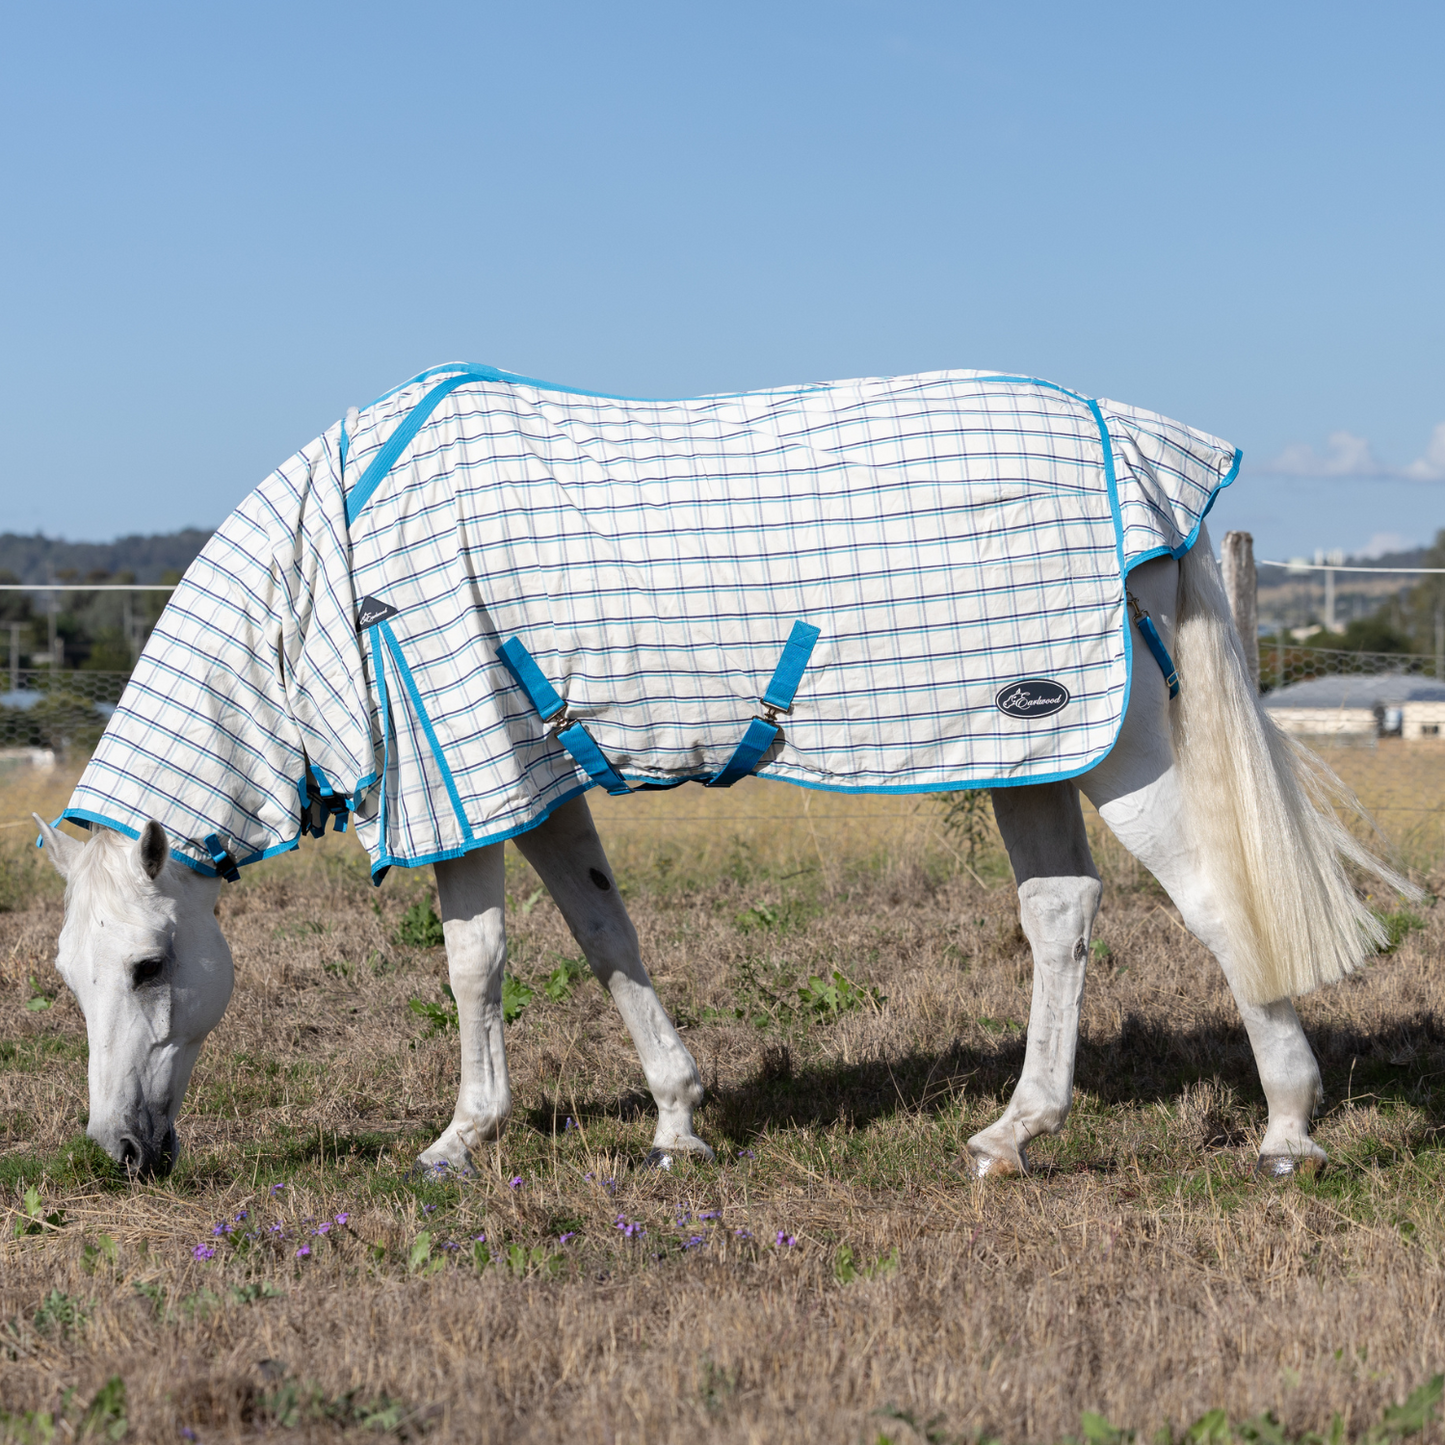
{"x":1111,"y":481}
{"x":397,"y":443}
{"x":386,"y":862}
{"x":409,"y":683}
{"x":378,"y":667}
{"x":85,"y":816}
{"x":480,"y":371}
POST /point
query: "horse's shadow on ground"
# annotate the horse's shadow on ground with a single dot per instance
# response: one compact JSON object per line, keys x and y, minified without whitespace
{"x":1142,"y":1064}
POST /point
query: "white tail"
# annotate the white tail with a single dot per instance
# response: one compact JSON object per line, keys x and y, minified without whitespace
{"x":1262,"y":811}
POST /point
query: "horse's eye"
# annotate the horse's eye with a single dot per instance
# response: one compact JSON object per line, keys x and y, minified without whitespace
{"x":145,"y":970}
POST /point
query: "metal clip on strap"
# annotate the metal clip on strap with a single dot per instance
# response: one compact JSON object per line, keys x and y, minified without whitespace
{"x":221,"y":857}
{"x":553,"y":711}
{"x":763,"y":732}
{"x":317,"y":806}
{"x":1155,"y":644}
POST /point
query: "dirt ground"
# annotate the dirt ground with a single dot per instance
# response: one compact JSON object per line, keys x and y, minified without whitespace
{"x":854,"y":986}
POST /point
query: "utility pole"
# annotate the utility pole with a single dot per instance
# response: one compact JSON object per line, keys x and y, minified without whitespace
{"x":15,"y":655}
{"x":1241,"y":584}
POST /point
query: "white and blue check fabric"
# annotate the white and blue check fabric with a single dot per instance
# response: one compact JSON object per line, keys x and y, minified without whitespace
{"x":950,"y":534}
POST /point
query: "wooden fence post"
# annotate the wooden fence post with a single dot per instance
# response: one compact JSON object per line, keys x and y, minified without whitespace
{"x":1241,"y":584}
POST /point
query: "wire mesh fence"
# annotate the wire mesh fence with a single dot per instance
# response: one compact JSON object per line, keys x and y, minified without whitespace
{"x":56,"y":710}
{"x":1281,"y":664}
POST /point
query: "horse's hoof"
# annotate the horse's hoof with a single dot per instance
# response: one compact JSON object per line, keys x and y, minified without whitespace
{"x":1288,"y":1166}
{"x":663,"y":1156}
{"x":995,"y":1166}
{"x":438,"y":1169}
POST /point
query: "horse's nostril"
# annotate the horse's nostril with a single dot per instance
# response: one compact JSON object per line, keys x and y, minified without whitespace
{"x":130,"y":1153}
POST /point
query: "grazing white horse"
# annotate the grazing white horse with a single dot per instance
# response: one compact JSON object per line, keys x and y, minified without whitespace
{"x":950,"y":533}
{"x":1205,"y":792}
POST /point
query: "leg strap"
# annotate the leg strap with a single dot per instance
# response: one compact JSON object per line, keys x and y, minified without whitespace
{"x":1155,"y":644}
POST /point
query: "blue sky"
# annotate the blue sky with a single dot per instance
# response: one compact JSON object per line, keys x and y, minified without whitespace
{"x":224,"y":225}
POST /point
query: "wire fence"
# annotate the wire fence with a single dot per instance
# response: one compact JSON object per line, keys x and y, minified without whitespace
{"x":55,"y":710}
{"x":64,"y":710}
{"x":1282,"y":663}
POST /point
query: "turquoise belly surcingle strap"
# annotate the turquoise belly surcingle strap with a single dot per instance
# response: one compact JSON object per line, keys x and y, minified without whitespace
{"x":762,"y":732}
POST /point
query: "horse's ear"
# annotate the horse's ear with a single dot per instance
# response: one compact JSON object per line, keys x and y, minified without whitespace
{"x":153,"y":849}
{"x":60,"y":848}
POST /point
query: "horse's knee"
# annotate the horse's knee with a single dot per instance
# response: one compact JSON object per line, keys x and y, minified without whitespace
{"x":1058,"y":914}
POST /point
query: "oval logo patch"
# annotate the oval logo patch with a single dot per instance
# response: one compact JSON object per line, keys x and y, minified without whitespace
{"x":1033,"y":697}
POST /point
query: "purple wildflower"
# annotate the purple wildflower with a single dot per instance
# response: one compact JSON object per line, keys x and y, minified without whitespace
{"x":276,"y":1189}
{"x":218,"y":1229}
{"x":515,"y":1182}
{"x":324,"y":1227}
{"x":242,"y":1215}
{"x":785,"y":1241}
{"x":741,"y":1234}
{"x":187,"y":1433}
{"x":342,"y":1217}
{"x":610,"y":1185}
{"x":428,"y":1209}
{"x":480,"y":1238}
{"x":569,"y":1125}
{"x":277,"y":1228}
{"x":746,"y":1154}
{"x":711,"y":1214}
{"x":630,"y":1229}
{"x":683,"y":1218}
{"x":303,"y":1252}
{"x":563,"y":1238}
{"x":451,"y":1244}
{"x":698,"y":1241}
{"x":204,"y":1251}
{"x":588,"y":1178}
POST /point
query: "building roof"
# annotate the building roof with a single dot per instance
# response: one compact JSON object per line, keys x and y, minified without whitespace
{"x":1383,"y":689}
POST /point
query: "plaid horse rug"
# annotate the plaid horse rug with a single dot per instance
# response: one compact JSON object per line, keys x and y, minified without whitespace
{"x":484,"y":594}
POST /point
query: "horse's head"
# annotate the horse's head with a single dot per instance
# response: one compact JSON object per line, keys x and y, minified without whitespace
{"x":143,"y":954}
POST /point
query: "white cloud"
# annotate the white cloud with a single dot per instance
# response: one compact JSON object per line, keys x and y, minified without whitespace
{"x":1347,"y":455}
{"x":1430,"y":467}
{"x":1383,"y":543}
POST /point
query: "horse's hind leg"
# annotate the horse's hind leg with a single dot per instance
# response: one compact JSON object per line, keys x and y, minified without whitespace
{"x":472,"y":891}
{"x":1058,"y":885}
{"x":567,"y":854}
{"x":1149,"y":821}
{"x":1137,"y":792}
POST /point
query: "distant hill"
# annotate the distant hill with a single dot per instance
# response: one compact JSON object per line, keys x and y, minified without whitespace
{"x":1415,"y":557}
{"x":46,"y":559}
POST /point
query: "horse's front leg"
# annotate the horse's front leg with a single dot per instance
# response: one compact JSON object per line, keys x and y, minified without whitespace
{"x":1043,"y":829}
{"x":567,"y":854}
{"x":472,"y":890}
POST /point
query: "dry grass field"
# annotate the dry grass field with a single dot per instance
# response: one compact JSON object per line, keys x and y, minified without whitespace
{"x":854,"y":986}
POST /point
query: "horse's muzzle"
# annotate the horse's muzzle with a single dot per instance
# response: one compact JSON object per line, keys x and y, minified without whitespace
{"x":143,"y":1153}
